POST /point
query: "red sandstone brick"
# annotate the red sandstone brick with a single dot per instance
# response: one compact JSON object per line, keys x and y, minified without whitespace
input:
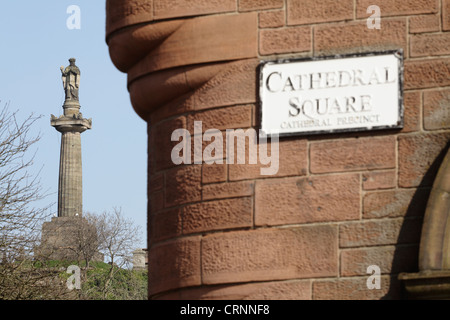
{"x":164,"y":9}
{"x":183,"y":185}
{"x":182,"y":104}
{"x":121,"y":13}
{"x":286,"y":40}
{"x":165,"y":225}
{"x":276,"y":290}
{"x":156,"y":183}
{"x":190,"y":56}
{"x":292,"y":162}
{"x":255,"y":116}
{"x":270,"y":254}
{"x":175,"y":264}
{"x":355,"y":289}
{"x":390,"y":259}
{"x":427,"y":73}
{"x":379,"y":180}
{"x":156,"y":201}
{"x":419,"y":158}
{"x":228,"y":190}
{"x":207,"y":146}
{"x":352,"y":154}
{"x":379,"y":232}
{"x":218,"y":215}
{"x":214,"y":172}
{"x":412,"y":102}
{"x":446,"y":15}
{"x":305,"y":200}
{"x":356,"y":37}
{"x":397,"y":7}
{"x":425,"y":23}
{"x":160,"y":144}
{"x":235,"y":84}
{"x":248,"y":5}
{"x":395,"y":203}
{"x":171,"y":92}
{"x":179,"y":43}
{"x":316,"y":11}
{"x":222,"y":118}
{"x":159,"y":85}
{"x":436,"y":113}
{"x":430,"y":45}
{"x":271,"y":19}
{"x":292,"y":290}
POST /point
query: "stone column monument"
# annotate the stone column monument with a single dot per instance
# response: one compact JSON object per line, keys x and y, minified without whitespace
{"x":71,"y":124}
{"x":69,"y":236}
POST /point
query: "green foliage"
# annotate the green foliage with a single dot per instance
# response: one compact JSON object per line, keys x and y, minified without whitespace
{"x":124,"y":285}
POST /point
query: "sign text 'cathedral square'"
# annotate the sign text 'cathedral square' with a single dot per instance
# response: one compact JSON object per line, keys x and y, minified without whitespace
{"x":351,"y":93}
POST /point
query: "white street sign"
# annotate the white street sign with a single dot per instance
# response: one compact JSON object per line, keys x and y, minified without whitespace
{"x":350,"y":93}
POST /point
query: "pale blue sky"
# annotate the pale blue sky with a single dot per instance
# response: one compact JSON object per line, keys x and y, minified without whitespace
{"x":35,"y":42}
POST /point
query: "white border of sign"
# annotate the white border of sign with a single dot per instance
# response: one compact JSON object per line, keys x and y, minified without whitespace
{"x":271,"y":131}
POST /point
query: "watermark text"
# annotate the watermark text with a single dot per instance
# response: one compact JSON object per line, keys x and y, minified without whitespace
{"x":236,"y":146}
{"x":74,"y":20}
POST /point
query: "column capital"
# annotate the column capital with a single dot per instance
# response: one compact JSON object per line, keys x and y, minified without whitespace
{"x":75,"y":123}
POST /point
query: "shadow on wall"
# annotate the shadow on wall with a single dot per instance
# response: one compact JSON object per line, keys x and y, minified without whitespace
{"x":410,"y":232}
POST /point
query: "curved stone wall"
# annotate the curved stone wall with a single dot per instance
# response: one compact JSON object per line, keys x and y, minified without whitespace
{"x":338,"y":203}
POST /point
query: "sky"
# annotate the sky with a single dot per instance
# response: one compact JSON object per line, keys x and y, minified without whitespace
{"x":35,"y":42}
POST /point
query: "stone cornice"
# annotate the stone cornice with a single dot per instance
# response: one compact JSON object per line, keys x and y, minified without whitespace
{"x":167,"y":60}
{"x":124,"y":13}
{"x":72,"y":124}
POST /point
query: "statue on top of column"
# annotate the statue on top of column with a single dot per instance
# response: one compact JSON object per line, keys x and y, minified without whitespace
{"x":71,"y":80}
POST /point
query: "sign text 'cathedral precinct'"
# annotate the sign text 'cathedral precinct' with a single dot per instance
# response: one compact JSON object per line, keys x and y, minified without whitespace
{"x":344,"y":93}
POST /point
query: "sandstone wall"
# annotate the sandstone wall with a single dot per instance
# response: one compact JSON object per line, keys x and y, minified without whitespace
{"x":338,"y":203}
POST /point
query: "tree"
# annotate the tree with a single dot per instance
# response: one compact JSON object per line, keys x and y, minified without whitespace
{"x":116,"y":238}
{"x":21,"y":276}
{"x":27,"y":271}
